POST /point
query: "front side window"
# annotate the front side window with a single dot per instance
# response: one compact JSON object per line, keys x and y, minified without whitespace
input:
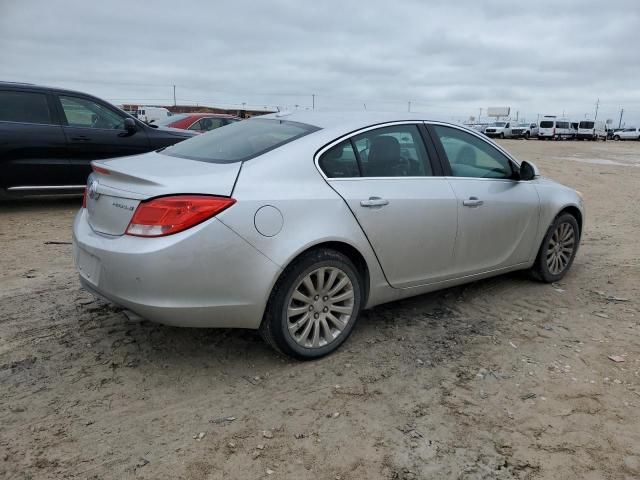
{"x":470,"y":156}
{"x":84,"y":113}
{"x":396,"y":151}
{"x":340,"y":161}
{"x":240,"y":141}
{"x":24,"y":107}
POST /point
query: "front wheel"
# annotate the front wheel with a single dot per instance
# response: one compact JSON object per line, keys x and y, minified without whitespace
{"x":558,"y":249}
{"x":526,"y":135}
{"x":314,"y":305}
{"x":616,"y":137}
{"x":502,"y":136}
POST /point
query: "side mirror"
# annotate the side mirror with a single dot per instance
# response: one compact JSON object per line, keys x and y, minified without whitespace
{"x":130,"y":125}
{"x":528,"y":171}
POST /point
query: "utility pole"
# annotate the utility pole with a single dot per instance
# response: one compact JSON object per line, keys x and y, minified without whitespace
{"x":409,"y":106}
{"x":620,"y":121}
{"x":597,"y":105}
{"x":313,"y":101}
{"x":174,"y":95}
{"x":479,"y":115}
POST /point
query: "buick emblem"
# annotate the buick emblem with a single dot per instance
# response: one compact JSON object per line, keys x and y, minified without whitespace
{"x":93,"y":190}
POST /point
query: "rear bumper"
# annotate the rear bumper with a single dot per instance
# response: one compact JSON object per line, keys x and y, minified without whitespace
{"x":207,"y":276}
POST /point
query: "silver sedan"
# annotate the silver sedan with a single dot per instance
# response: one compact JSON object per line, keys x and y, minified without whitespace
{"x":293,"y":223}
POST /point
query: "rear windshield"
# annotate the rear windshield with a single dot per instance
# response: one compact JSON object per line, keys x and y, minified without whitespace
{"x":240,"y":141}
{"x":546,"y":124}
{"x":499,"y":124}
{"x":586,"y":125}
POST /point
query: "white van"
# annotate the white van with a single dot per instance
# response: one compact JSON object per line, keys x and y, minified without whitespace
{"x":552,"y":128}
{"x":152,"y":114}
{"x":592,"y":130}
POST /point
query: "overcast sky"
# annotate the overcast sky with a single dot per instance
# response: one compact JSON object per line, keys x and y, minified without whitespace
{"x":451,"y":60}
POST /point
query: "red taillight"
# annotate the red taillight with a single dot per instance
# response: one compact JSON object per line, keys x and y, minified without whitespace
{"x":167,"y":215}
{"x":84,"y":198}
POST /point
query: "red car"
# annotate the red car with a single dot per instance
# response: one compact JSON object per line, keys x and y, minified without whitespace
{"x":199,"y":122}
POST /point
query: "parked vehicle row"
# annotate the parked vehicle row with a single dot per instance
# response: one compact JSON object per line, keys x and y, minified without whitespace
{"x":553,"y":128}
{"x":49,"y":136}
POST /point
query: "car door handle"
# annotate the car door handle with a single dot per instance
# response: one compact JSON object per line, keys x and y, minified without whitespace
{"x":472,"y":202}
{"x":81,"y":138}
{"x":374,"y":202}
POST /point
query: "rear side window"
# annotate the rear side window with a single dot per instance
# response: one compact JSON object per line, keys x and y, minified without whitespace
{"x":24,"y":107}
{"x":240,"y":141}
{"x":396,"y":151}
{"x":340,"y":161}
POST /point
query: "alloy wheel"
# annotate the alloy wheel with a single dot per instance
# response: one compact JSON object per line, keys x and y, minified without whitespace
{"x":320,"y":307}
{"x":560,"y":249}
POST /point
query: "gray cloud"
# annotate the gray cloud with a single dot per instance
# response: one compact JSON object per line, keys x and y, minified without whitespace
{"x":447,"y":58}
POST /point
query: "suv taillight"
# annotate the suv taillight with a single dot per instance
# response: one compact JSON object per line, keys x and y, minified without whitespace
{"x":168,"y":215}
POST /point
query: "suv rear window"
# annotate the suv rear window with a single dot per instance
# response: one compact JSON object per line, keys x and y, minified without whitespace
{"x":240,"y":141}
{"x":586,"y":125}
{"x":546,"y":124}
{"x":24,"y":107}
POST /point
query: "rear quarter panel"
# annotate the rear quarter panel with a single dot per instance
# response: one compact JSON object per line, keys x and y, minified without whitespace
{"x":312,"y":212}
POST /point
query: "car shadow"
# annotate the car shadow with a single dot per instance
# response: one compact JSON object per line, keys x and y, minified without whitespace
{"x":446,"y":318}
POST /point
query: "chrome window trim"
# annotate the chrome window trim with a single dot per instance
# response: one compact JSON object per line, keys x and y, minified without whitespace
{"x":46,"y":187}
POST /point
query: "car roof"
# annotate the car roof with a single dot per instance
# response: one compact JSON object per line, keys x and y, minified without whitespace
{"x":347,"y":119}
{"x":33,"y":86}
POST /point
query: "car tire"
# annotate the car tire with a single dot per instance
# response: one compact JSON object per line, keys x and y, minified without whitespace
{"x":297,"y":316}
{"x":526,"y":135}
{"x":616,"y":138}
{"x":554,"y":260}
{"x":502,"y":135}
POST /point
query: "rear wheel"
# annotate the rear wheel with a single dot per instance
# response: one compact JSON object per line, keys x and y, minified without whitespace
{"x":558,"y":249}
{"x":314,"y":305}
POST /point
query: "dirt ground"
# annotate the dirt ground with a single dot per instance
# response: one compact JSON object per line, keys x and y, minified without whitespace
{"x":500,"y":379}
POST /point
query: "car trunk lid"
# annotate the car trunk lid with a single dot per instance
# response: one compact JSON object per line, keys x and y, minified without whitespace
{"x":116,"y":187}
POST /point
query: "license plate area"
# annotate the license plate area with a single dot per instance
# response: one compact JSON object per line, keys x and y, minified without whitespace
{"x":88,"y":266}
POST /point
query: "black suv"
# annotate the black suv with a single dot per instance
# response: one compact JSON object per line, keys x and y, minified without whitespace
{"x":48,"y":137}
